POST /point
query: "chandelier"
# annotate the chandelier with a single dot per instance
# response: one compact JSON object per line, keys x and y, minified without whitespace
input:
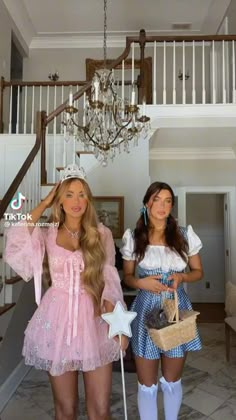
{"x":108,"y":122}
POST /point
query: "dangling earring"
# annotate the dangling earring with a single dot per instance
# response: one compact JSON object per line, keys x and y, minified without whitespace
{"x":143,"y":212}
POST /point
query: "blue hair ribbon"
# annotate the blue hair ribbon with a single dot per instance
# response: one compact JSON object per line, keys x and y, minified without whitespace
{"x":143,"y":212}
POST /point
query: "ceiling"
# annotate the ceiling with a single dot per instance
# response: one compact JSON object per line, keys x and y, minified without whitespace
{"x":38,"y":20}
{"x":188,"y":143}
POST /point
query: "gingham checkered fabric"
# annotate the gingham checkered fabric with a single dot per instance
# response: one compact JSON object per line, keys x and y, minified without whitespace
{"x":144,"y":302}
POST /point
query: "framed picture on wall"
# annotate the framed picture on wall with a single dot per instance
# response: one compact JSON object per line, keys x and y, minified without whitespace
{"x":110,"y":211}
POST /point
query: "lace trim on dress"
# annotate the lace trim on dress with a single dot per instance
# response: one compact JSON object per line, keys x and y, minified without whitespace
{"x":55,"y":369}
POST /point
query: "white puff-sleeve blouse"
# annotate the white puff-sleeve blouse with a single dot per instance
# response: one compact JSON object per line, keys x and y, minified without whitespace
{"x":160,"y":255}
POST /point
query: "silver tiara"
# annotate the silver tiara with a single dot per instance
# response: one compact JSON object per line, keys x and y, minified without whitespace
{"x":73,"y":171}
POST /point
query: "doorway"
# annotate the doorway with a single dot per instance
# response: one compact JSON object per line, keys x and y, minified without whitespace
{"x":205,"y":212}
{"x":16,"y":74}
{"x":209,"y":209}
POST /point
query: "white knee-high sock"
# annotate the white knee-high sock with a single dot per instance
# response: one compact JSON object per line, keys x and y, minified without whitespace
{"x":147,"y":402}
{"x":172,"y":396}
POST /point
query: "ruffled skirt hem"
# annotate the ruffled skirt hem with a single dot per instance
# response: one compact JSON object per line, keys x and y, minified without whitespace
{"x":63,"y":366}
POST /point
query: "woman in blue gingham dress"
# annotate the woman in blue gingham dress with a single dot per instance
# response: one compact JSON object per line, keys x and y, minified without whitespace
{"x":156,"y":255}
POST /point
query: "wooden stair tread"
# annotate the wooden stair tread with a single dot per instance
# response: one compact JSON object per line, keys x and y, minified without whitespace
{"x":84,"y":152}
{"x":6,"y":308}
{"x":13,"y":280}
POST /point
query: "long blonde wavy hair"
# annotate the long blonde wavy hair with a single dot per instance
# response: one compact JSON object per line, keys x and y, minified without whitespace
{"x":89,"y":242}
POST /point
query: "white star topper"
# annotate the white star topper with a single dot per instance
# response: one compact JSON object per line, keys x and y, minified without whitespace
{"x":119,"y":321}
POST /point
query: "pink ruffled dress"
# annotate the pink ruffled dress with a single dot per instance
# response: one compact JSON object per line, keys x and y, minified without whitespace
{"x":63,"y":334}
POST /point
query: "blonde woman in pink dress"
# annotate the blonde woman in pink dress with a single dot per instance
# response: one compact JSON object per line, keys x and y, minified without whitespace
{"x":66,"y":333}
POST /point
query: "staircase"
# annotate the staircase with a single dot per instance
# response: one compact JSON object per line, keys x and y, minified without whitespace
{"x":47,"y":159}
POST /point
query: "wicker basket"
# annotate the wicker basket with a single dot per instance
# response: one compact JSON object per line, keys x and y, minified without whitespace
{"x":182,"y":330}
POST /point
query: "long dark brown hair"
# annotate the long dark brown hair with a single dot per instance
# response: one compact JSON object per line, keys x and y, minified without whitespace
{"x":173,"y":236}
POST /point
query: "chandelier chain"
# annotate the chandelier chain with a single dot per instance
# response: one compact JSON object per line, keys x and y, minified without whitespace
{"x":109,"y":121}
{"x":105,"y":34}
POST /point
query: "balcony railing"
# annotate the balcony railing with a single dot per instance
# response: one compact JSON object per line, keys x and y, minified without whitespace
{"x":165,"y":70}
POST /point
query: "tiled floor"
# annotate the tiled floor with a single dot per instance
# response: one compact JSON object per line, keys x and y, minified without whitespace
{"x":209,"y":387}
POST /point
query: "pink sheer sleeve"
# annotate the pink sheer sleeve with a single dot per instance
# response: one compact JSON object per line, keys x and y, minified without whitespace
{"x":112,"y":291}
{"x":24,"y":252}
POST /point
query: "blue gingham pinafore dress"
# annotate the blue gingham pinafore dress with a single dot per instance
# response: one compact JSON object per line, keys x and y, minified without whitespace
{"x":145,"y":301}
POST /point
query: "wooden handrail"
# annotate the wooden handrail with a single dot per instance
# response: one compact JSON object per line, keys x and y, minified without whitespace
{"x":23,"y":170}
{"x":181,"y":38}
{"x":1,"y":104}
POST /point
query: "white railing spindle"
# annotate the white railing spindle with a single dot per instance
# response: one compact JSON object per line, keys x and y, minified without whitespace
{"x":32,"y":112}
{"x":183,"y":86}
{"x":55,"y":105}
{"x":132,"y":79}
{"x":123,"y":89}
{"x":40,"y":98}
{"x":223,"y":74}
{"x":164,"y":73}
{"x":155,"y":73}
{"x":10,"y":113}
{"x":213,"y":74}
{"x":47,"y":104}
{"x":18,"y":110}
{"x":54,"y":158}
{"x":194,"y":68}
{"x":62,"y":114}
{"x":174,"y":73}
{"x":233,"y":73}
{"x":25,"y":110}
{"x":203,"y":74}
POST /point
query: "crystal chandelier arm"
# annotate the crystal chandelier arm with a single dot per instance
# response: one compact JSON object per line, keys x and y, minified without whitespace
{"x":117,"y":135}
{"x":117,"y":122}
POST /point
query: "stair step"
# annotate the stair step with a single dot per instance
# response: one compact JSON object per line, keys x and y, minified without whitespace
{"x":6,"y":308}
{"x":83,"y":152}
{"x":13,"y":280}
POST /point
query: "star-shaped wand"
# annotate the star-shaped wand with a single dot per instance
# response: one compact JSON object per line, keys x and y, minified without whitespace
{"x":119,"y":324}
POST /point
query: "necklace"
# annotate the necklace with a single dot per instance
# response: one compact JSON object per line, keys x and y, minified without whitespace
{"x":74,"y":235}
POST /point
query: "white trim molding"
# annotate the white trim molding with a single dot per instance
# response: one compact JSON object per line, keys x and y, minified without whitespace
{"x":88,"y":40}
{"x":75,"y":41}
{"x":184,"y":153}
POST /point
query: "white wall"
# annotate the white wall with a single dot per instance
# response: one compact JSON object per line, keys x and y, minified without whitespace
{"x":13,"y":152}
{"x":194,"y":172}
{"x":5,"y":42}
{"x":7,"y":30}
{"x":127,"y":176}
{"x":70,"y":63}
